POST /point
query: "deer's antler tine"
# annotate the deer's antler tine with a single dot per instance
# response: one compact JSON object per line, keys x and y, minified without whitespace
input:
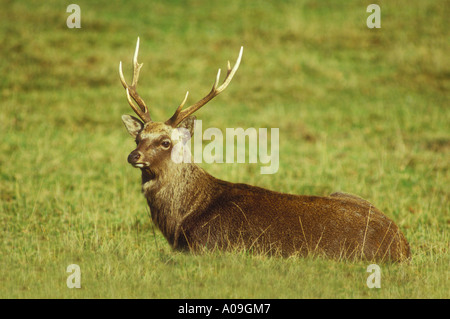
{"x":217,"y":80}
{"x":184,"y":101}
{"x":137,"y":66}
{"x":175,"y":115}
{"x":122,"y":78}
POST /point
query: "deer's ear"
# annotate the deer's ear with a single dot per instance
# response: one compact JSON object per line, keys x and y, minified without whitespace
{"x":189,"y":124}
{"x":133,"y":125}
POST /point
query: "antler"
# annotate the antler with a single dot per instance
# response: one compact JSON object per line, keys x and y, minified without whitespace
{"x":141,"y":110}
{"x":180,"y":114}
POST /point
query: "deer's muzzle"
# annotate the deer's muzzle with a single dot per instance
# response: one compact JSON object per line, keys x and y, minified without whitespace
{"x":134,"y":159}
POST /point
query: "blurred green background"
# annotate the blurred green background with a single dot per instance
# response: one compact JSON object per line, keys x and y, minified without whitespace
{"x":360,"y":110}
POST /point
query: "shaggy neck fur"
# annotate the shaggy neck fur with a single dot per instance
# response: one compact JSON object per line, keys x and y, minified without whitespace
{"x":172,"y":197}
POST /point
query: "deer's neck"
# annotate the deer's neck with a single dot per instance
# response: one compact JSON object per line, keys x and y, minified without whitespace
{"x":177,"y":191}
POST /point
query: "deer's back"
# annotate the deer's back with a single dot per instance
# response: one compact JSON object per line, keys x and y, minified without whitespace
{"x":264,"y":221}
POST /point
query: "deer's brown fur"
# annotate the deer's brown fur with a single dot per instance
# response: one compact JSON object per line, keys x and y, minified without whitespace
{"x":196,"y":211}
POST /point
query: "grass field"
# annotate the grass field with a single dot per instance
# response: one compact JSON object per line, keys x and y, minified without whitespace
{"x":364,"y":111}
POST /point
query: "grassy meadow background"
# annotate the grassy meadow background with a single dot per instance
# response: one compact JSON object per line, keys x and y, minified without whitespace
{"x":364,"y":111}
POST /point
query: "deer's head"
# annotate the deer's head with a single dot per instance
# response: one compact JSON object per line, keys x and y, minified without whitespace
{"x":155,"y":140}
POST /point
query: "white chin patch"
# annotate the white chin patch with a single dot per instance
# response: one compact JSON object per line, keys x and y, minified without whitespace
{"x":139,"y":165}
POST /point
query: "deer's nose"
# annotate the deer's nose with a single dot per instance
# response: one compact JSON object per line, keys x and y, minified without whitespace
{"x":134,"y":157}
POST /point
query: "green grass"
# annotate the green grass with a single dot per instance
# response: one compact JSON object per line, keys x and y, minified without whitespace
{"x":365,"y":111}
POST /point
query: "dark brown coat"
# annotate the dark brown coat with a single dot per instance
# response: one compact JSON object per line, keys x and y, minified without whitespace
{"x":208,"y":213}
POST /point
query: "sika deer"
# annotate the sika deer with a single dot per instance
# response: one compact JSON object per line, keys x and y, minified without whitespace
{"x":196,"y":211}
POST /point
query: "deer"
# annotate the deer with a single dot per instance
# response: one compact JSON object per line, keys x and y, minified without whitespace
{"x":197,"y":212}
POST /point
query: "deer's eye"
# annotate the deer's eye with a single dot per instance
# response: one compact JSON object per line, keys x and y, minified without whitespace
{"x":165,"y":144}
